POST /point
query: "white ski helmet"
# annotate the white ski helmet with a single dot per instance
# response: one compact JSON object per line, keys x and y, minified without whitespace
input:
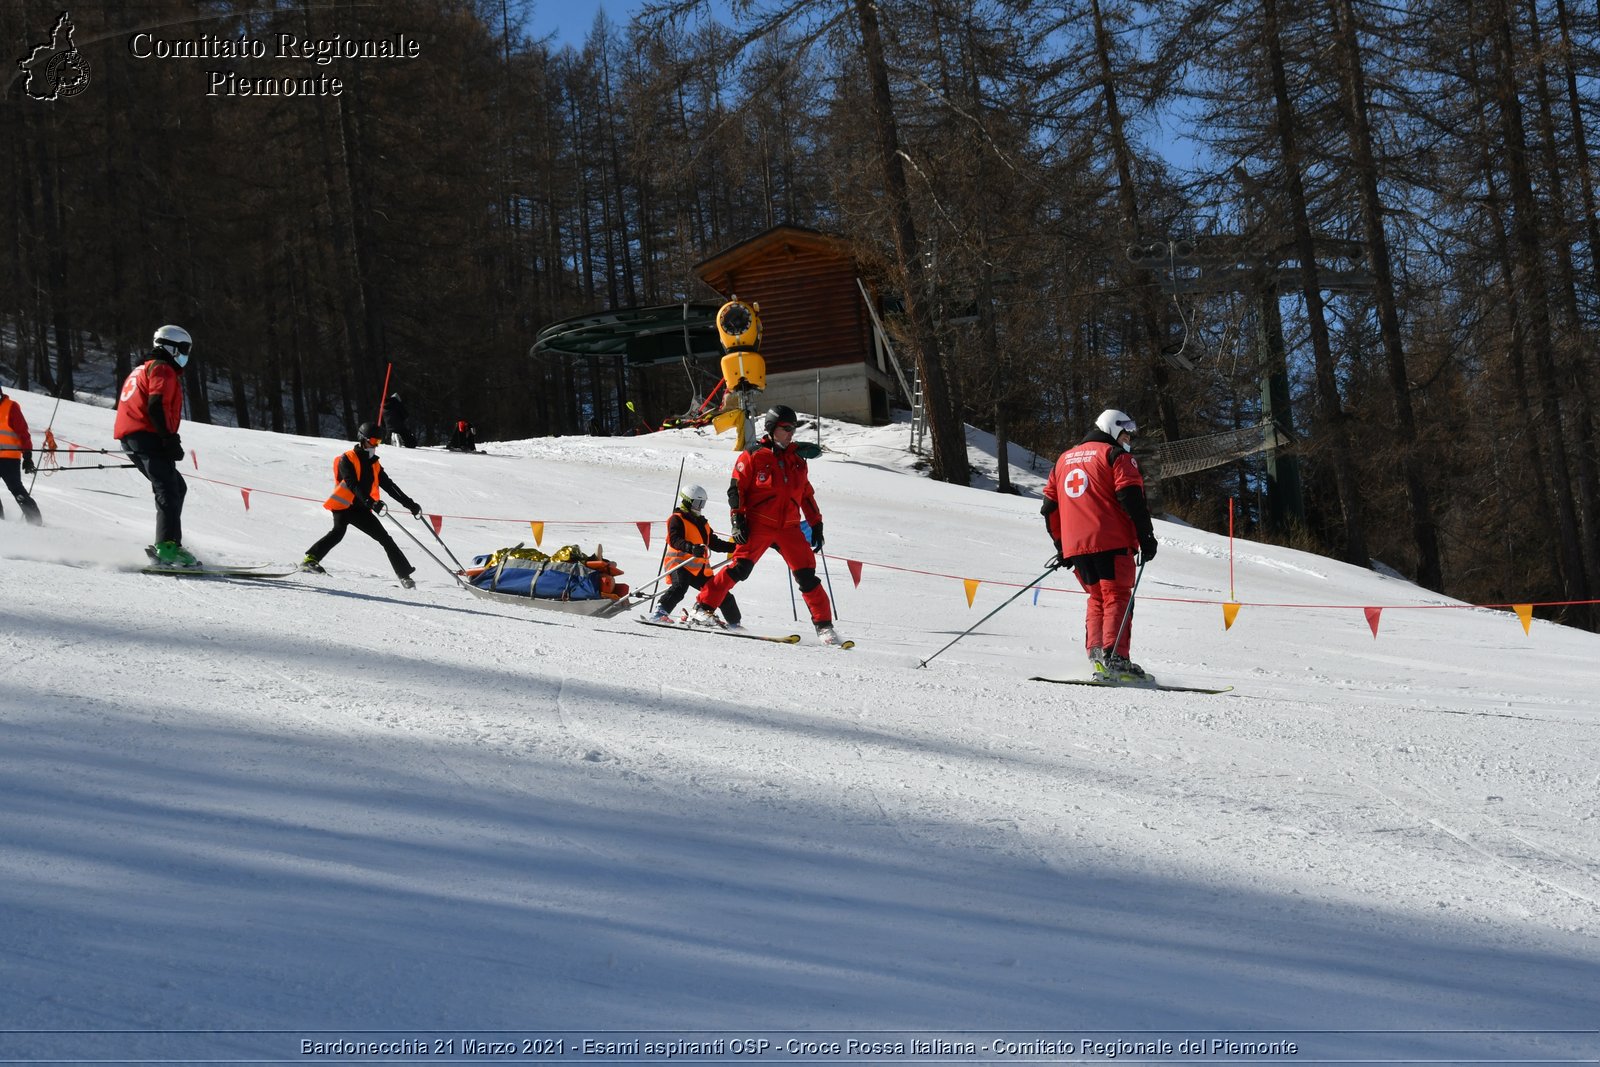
{"x":1114,"y":424}
{"x":176,"y":340}
{"x":693,"y":498}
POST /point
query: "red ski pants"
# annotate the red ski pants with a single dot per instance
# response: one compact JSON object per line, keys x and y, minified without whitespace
{"x":796,"y":552}
{"x":1108,"y":579}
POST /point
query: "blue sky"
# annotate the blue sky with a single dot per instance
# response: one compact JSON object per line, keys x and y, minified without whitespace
{"x":569,"y":20}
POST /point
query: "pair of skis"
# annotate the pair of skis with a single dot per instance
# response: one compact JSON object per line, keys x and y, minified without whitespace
{"x":265,"y":570}
{"x":777,"y":639}
{"x":1107,"y":683}
{"x":226,"y":570}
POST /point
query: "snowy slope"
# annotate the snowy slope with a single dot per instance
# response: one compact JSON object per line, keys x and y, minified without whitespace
{"x":327,"y":805}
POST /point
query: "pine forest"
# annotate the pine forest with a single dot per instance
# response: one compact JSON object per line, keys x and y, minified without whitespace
{"x":1372,"y":224}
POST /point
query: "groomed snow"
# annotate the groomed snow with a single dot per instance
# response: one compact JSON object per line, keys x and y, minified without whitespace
{"x":327,"y":805}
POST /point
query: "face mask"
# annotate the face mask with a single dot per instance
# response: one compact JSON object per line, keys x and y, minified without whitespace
{"x":181,"y":359}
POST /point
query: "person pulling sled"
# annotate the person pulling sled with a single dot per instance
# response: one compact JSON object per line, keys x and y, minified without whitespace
{"x":16,"y":456}
{"x":691,"y":538}
{"x":356,"y":501}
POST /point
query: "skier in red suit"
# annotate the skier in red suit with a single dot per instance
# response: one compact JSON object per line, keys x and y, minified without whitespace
{"x":769,"y":492}
{"x":1095,"y":510}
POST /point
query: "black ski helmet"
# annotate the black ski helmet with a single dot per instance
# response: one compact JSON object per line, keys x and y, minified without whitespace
{"x":368,"y":431}
{"x":779,"y":415}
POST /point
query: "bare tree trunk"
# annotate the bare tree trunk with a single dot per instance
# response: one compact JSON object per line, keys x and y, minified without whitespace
{"x":1334,"y":418}
{"x":1128,"y":201}
{"x":944,"y":423}
{"x":1573,"y":371}
{"x":1423,"y":531}
{"x":1532,"y":290}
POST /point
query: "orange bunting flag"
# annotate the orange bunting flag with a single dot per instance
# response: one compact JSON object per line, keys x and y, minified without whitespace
{"x":855,"y":570}
{"x":1372,"y":620}
{"x":1525,"y":613}
{"x":1230,"y":611}
{"x":972,"y":589}
{"x":437,"y":522}
{"x":644,"y":532}
{"x":72,"y":453}
{"x":538,"y":532}
{"x":246,"y":494}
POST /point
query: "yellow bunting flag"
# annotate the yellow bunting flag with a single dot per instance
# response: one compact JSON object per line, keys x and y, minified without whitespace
{"x":538,"y":532}
{"x":972,"y":589}
{"x":1230,"y":611}
{"x":246,"y":494}
{"x":1372,"y":620}
{"x":644,"y":532}
{"x":438,"y":523}
{"x":1525,"y":613}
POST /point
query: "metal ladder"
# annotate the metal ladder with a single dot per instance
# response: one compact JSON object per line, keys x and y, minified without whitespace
{"x":912,"y":390}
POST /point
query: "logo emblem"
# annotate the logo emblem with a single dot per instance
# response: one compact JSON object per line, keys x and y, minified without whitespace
{"x":56,"y":70}
{"x":1077,"y":482}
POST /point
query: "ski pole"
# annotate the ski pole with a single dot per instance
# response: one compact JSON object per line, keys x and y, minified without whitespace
{"x":793,"y":608}
{"x":989,"y":616}
{"x":418,"y":542}
{"x":436,"y":537}
{"x":95,"y":467}
{"x":383,"y":397}
{"x":663,"y":561}
{"x":639,"y":592}
{"x":647,"y":427}
{"x":829,"y":577}
{"x":1127,"y":613}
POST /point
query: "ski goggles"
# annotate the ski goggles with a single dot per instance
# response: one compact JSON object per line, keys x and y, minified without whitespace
{"x":374,"y":442}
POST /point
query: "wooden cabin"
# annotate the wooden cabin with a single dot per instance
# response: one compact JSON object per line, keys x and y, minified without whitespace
{"x":816,"y":330}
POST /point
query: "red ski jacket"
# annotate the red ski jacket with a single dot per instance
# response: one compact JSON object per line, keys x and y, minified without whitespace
{"x":771,"y":487}
{"x":1083,"y":486}
{"x":151,"y":401}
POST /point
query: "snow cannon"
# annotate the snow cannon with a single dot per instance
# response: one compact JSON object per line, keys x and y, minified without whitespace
{"x":743,"y":369}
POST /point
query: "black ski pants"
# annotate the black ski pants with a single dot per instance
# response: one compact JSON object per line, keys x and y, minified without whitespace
{"x":367,"y":523}
{"x":11,"y":474}
{"x":167,"y":485}
{"x":678,"y":585}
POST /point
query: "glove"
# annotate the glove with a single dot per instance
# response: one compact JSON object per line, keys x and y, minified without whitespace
{"x":816,"y":535}
{"x":376,"y":506}
{"x":703,"y":551}
{"x":416,"y":510}
{"x":1056,"y":562}
{"x":172,"y":447}
{"x":27,"y":463}
{"x":741,"y":533}
{"x":1147,"y":547}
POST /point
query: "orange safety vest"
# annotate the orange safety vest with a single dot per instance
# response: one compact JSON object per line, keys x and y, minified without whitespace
{"x":10,"y":440}
{"x":694,"y":534}
{"x":342,"y":496}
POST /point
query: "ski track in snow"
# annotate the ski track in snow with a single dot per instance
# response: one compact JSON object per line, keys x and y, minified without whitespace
{"x":325,"y":801}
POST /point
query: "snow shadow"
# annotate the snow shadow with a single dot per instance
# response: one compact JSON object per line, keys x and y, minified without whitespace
{"x":207,"y":874}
